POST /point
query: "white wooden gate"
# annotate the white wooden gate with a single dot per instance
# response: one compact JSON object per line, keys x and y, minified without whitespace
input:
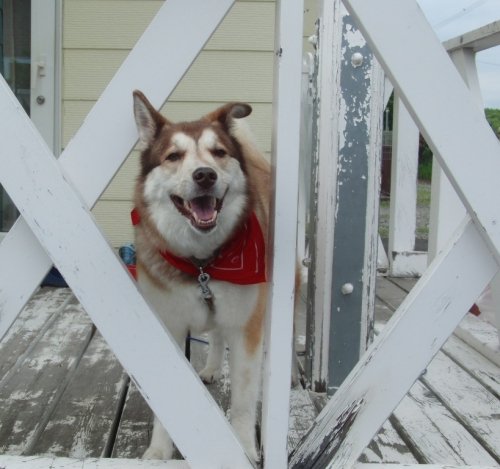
{"x":53,"y":197}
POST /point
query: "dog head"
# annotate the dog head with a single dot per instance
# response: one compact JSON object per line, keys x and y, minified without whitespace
{"x":192,"y":182}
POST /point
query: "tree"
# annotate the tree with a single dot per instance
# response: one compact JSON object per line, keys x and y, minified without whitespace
{"x":493,"y":117}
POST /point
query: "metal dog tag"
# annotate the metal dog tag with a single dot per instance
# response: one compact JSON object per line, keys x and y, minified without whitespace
{"x":203,"y":280}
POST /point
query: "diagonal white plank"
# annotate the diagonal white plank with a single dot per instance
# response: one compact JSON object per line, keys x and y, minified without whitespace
{"x":440,"y":103}
{"x":64,"y":226}
{"x":155,"y":65}
{"x":400,"y":353}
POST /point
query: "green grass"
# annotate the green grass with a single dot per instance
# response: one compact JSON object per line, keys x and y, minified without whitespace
{"x":423,"y":194}
{"x":423,"y":203}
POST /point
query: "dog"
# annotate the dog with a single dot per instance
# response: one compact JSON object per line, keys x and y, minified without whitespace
{"x":201,"y":222}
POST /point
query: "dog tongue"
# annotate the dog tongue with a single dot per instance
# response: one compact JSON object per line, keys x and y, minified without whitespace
{"x":203,"y":207}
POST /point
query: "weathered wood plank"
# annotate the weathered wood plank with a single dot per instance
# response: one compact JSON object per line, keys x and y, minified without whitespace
{"x":389,"y":293}
{"x":470,"y":402}
{"x":302,"y":416}
{"x":135,"y":427}
{"x":39,"y":462}
{"x":481,"y":336}
{"x":32,"y":323}
{"x":433,"y":433}
{"x":29,"y":396}
{"x":486,"y":372}
{"x":405,"y":283}
{"x":387,"y":447}
{"x":82,"y":424}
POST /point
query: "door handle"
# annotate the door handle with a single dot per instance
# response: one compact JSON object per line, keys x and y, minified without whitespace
{"x":38,"y":70}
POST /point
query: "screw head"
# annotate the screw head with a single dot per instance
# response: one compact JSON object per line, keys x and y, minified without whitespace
{"x":357,"y":59}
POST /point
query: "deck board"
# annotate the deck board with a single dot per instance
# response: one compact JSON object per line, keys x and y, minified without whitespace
{"x":82,"y":425}
{"x":472,"y":404}
{"x":433,"y":433}
{"x":34,"y":320}
{"x":29,"y":395}
{"x":63,"y":393}
{"x":134,"y":430}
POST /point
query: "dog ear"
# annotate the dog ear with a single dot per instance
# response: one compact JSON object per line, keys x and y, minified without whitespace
{"x":147,"y":119}
{"x":225,"y":114}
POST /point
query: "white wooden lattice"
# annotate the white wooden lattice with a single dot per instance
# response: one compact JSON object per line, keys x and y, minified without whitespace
{"x":57,"y":216}
{"x":441,"y":105}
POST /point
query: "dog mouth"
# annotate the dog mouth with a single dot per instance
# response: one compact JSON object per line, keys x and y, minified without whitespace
{"x":201,"y":211}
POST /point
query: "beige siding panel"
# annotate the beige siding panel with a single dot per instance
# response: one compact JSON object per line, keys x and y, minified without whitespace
{"x":214,"y":76}
{"x":74,"y":113}
{"x":248,"y":26}
{"x":122,"y":185}
{"x":113,"y":217}
{"x":118,"y":24}
{"x":98,"y":24}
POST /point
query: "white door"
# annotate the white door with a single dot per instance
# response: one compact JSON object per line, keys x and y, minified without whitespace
{"x":29,"y":42}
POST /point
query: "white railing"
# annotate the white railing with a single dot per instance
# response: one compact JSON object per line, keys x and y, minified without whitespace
{"x":53,"y":197}
{"x":58,"y":227}
{"x":446,"y":211}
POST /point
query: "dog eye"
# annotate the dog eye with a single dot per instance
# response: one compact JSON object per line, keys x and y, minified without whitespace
{"x":174,"y":156}
{"x":219,"y":152}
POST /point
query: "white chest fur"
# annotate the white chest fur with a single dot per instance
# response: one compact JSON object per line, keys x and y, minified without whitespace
{"x":182,"y":307}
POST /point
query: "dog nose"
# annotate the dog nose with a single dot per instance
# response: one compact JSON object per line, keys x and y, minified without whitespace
{"x":205,"y":177}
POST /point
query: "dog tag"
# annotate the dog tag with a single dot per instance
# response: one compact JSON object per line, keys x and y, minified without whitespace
{"x":203,"y":280}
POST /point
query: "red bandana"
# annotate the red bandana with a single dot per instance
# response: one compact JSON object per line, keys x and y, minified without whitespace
{"x":242,"y":260}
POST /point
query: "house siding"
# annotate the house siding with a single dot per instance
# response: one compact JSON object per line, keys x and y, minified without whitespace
{"x":236,"y":64}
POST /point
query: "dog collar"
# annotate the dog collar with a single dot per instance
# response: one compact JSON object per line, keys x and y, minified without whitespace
{"x":242,"y":260}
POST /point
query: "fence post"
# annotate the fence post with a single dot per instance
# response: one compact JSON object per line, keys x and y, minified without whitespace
{"x":283,"y":232}
{"x":404,"y":260}
{"x":352,"y":156}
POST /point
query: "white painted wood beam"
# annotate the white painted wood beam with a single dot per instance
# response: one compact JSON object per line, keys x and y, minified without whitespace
{"x":443,"y":108}
{"x":60,"y":220}
{"x":52,"y":462}
{"x":285,"y":164}
{"x":108,"y":133}
{"x":404,"y":261}
{"x":325,"y":164}
{"x":478,"y":40}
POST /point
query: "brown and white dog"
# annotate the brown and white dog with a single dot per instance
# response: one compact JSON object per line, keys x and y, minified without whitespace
{"x":201,"y":216}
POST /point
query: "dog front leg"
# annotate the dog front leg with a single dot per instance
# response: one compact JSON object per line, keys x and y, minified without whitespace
{"x":213,"y":366}
{"x":245,"y":370}
{"x":161,"y":445}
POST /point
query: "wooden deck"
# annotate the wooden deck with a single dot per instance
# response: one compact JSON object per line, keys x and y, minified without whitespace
{"x":63,"y":393}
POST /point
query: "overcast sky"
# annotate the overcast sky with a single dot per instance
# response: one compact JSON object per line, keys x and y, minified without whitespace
{"x":451,"y":18}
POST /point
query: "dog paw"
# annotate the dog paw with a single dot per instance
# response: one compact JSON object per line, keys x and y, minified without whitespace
{"x":253,"y":455}
{"x":155,"y":452}
{"x":210,"y":375}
